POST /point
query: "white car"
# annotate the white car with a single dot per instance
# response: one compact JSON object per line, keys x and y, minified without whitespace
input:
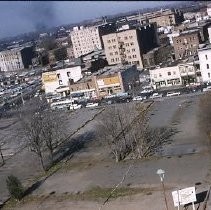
{"x":156,"y":95}
{"x":173,"y":94}
{"x":147,"y":91}
{"x":137,"y":98}
{"x":207,"y":89}
{"x":91,"y":105}
{"x":75,"y":106}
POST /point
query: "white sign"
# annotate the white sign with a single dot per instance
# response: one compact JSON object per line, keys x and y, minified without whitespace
{"x":184,"y":196}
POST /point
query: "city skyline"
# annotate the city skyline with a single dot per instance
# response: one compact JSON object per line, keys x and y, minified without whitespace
{"x":23,"y":17}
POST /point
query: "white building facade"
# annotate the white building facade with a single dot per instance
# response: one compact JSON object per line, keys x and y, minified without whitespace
{"x":182,"y":74}
{"x":85,"y":40}
{"x":205,"y":63}
{"x":58,"y":81}
{"x":209,"y":33}
{"x":209,"y":10}
{"x":165,"y":77}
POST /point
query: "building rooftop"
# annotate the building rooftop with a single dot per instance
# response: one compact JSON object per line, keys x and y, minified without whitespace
{"x":189,"y":31}
{"x":112,"y":69}
{"x":205,"y":47}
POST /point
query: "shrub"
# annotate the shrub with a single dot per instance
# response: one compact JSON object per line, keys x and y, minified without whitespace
{"x":15,"y":187}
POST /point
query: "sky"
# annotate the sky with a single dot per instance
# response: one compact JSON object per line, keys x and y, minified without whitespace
{"x":26,"y":16}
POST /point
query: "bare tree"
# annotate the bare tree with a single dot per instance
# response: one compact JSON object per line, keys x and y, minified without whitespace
{"x":42,"y":128}
{"x":127,"y":131}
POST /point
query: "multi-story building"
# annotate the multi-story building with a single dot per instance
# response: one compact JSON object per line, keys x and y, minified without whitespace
{"x":16,"y":59}
{"x":205,"y":63}
{"x":58,"y":80}
{"x":86,"y":39}
{"x":128,"y":46}
{"x":162,"y":18}
{"x":186,"y":44}
{"x":181,"y":74}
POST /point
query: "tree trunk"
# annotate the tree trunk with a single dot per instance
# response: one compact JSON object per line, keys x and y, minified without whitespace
{"x":2,"y":157}
{"x":41,"y":161}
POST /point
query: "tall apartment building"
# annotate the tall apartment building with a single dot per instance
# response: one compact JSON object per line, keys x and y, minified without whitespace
{"x":87,"y":39}
{"x":186,"y":44}
{"x":128,"y":46}
{"x":16,"y":59}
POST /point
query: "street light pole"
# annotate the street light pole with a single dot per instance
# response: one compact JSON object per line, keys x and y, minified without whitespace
{"x":161,"y":174}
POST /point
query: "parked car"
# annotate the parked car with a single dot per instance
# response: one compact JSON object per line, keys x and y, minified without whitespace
{"x":156,"y":95}
{"x":173,"y":94}
{"x":91,"y":105}
{"x":75,"y":106}
{"x":208,"y":88}
{"x":137,"y":98}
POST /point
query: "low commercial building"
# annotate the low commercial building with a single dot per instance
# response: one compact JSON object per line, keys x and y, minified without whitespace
{"x":85,"y":86}
{"x":107,"y":81}
{"x":16,"y":59}
{"x":181,"y":74}
{"x":116,"y":79}
{"x":58,"y":80}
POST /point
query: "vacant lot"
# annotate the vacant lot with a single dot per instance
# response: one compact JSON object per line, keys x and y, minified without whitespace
{"x":186,"y":162}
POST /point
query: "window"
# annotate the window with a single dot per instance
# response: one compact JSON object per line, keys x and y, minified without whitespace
{"x":130,"y":37}
{"x":111,"y":53}
{"x":160,"y":75}
{"x":206,"y":57}
{"x":117,"y":59}
{"x":58,"y":75}
{"x":112,"y":60}
{"x":169,"y":73}
{"x":114,"y":46}
{"x":116,"y":53}
{"x":126,"y":38}
{"x":109,"y":47}
{"x":129,"y":57}
{"x":68,"y":74}
{"x":131,"y":43}
{"x":133,"y":50}
{"x":209,"y":75}
{"x":174,"y":72}
{"x":134,"y":56}
{"x":60,"y":82}
{"x":109,"y":41}
{"x":208,"y":66}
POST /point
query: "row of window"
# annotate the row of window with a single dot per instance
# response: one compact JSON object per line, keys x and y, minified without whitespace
{"x":190,"y":39}
{"x":116,"y":59}
{"x":169,"y":74}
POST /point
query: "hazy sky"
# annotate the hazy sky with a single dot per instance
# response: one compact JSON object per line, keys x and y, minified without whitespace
{"x":19,"y":17}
